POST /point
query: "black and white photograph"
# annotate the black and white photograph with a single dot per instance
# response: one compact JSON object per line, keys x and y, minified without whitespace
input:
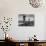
{"x":26,"y":20}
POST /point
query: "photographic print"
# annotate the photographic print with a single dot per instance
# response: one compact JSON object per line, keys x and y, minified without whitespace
{"x":26,"y":20}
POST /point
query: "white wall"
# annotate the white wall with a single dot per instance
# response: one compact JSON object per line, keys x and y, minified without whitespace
{"x":12,"y":8}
